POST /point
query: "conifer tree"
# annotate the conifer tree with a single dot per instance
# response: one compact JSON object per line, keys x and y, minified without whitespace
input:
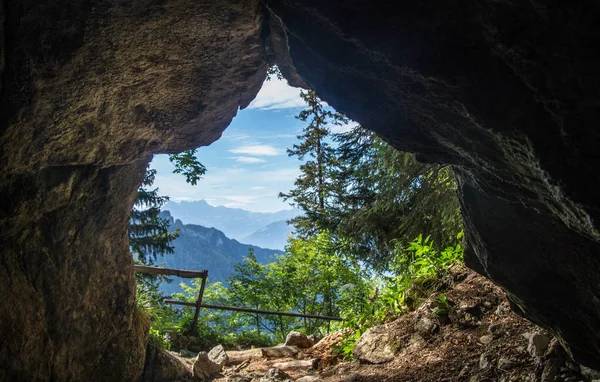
{"x":314,"y":186}
{"x":149,"y":234}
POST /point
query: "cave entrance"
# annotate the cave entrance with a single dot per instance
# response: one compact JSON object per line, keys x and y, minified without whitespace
{"x":348,"y":180}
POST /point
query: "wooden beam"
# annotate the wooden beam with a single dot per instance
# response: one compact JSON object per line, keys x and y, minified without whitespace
{"x":248,"y":310}
{"x":172,"y":272}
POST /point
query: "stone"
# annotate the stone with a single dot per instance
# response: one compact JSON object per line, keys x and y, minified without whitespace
{"x":161,"y":365}
{"x":308,"y":378}
{"x":588,"y":373}
{"x":275,"y":375}
{"x":426,"y":327}
{"x":374,"y":346}
{"x":298,"y":339}
{"x":296,"y":364}
{"x":506,"y":364}
{"x":238,"y":378}
{"x":352,"y":378}
{"x":496,"y":330}
{"x":487,"y":339}
{"x":219,"y":356}
{"x":484,"y":361}
{"x":205,"y":369}
{"x":313,"y":339}
{"x":538,"y":343}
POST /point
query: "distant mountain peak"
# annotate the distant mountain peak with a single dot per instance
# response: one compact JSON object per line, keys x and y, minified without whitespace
{"x":236,"y":223}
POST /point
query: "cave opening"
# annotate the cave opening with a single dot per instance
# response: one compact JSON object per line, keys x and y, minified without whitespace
{"x":506,"y":93}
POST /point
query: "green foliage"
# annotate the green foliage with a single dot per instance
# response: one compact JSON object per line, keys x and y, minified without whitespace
{"x":149,"y":234}
{"x":425,"y":267}
{"x":385,"y":198}
{"x":158,"y":339}
{"x":273,"y":71}
{"x":188,"y":165}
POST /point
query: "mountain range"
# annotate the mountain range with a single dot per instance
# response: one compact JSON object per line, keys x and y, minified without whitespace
{"x":249,"y":227}
{"x":199,"y":247}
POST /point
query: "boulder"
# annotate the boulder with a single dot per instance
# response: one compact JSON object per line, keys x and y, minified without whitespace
{"x":205,"y":369}
{"x":374,"y":346}
{"x":218,"y":356}
{"x":298,"y":339}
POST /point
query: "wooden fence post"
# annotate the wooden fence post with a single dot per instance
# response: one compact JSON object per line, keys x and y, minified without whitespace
{"x":199,"y":303}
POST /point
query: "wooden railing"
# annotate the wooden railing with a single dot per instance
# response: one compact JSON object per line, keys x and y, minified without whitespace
{"x":198,"y":303}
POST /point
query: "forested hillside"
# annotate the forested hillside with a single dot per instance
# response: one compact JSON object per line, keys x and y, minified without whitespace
{"x":198,"y":247}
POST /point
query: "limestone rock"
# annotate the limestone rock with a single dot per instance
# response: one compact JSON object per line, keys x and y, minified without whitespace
{"x":298,"y":339}
{"x":523,"y":142}
{"x":538,"y":343}
{"x":484,"y":361}
{"x":218,"y":356}
{"x":374,"y":346}
{"x":296,"y":364}
{"x":487,"y":339}
{"x":163,"y":366}
{"x":275,"y":375}
{"x":204,"y":368}
{"x":426,"y":327}
{"x":308,"y":378}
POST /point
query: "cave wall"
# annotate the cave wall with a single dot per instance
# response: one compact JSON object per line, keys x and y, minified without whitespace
{"x":508,"y":92}
{"x":90,"y":90}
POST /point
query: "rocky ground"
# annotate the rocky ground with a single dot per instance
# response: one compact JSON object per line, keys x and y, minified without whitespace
{"x":465,"y":332}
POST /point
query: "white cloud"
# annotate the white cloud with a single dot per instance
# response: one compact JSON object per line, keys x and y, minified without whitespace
{"x":258,"y":188}
{"x":260,"y":150}
{"x":277,"y":94}
{"x":248,"y":160}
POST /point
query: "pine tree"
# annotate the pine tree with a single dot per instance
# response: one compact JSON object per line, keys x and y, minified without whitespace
{"x":149,"y":234}
{"x":314,"y":186}
{"x":386,"y":198}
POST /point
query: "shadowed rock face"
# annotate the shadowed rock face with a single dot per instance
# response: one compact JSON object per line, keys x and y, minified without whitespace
{"x":506,"y":92}
{"x":90,"y":90}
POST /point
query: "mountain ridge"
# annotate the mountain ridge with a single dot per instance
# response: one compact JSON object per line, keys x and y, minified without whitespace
{"x":199,"y":247}
{"x":236,"y":223}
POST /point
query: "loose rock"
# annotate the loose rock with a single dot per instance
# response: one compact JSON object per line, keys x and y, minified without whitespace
{"x":275,"y":375}
{"x":298,"y":339}
{"x":538,"y":343}
{"x":308,"y":378}
{"x":484,"y":362}
{"x":204,"y":368}
{"x":374,"y":346}
{"x":219,"y":356}
{"x":426,"y":327}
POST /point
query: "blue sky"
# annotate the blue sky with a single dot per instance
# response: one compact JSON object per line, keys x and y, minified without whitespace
{"x":248,"y":166}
